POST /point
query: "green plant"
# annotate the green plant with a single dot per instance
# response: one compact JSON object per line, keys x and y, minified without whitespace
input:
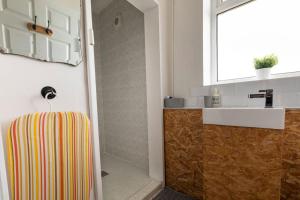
{"x":266,"y":62}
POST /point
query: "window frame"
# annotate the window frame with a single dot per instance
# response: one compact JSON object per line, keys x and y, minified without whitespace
{"x":217,"y":7}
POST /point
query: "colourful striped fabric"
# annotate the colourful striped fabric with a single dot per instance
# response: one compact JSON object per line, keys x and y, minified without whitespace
{"x":50,"y":157}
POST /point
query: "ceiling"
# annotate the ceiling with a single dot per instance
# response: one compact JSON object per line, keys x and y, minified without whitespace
{"x":99,"y":5}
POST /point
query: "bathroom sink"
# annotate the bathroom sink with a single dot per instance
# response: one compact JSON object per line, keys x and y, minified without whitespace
{"x":272,"y":118}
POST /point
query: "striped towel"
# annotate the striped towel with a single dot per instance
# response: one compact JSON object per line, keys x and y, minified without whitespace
{"x":50,"y":157}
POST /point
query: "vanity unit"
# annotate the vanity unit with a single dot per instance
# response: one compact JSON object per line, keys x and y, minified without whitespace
{"x":184,"y":150}
{"x":220,"y":162}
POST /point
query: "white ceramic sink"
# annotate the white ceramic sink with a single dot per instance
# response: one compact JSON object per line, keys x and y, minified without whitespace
{"x":272,"y":118}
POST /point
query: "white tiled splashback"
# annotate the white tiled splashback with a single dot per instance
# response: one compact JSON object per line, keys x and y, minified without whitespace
{"x":286,"y":93}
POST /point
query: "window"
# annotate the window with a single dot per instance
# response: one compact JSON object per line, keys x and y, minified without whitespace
{"x":245,"y":29}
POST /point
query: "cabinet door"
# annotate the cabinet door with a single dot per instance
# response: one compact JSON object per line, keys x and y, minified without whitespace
{"x":14,"y":36}
{"x":183,"y":151}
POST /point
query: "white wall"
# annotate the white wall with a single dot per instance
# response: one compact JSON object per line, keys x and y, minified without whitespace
{"x":166,"y":44}
{"x":154,"y":98}
{"x":187,"y":48}
{"x":181,"y":47}
{"x":21,"y":81}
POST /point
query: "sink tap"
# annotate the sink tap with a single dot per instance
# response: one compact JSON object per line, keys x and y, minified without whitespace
{"x":268,"y":94}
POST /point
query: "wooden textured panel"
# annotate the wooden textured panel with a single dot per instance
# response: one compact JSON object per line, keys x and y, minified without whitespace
{"x":221,"y":162}
{"x":290,"y":183}
{"x":241,"y":163}
{"x":183,"y":151}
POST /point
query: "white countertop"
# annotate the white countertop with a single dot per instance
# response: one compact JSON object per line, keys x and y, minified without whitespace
{"x":271,"y":118}
{"x":184,"y":108}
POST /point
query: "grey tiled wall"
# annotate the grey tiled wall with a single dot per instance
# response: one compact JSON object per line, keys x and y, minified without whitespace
{"x":121,"y":82}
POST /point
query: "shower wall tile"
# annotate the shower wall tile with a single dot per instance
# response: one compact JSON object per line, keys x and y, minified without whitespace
{"x":121,"y":64}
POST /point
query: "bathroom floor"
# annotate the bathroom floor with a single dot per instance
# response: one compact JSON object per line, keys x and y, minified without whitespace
{"x":169,"y":194}
{"x":125,"y":181}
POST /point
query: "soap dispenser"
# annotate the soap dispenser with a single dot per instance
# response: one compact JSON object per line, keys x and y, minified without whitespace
{"x":216,"y":98}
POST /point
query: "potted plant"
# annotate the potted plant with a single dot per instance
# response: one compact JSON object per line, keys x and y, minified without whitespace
{"x":263,"y":66}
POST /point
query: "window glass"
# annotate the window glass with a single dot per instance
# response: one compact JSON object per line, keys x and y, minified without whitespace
{"x":257,"y":29}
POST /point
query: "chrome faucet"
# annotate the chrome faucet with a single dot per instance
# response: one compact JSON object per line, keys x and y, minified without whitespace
{"x":268,"y":94}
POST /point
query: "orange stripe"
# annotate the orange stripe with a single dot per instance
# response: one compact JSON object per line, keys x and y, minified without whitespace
{"x":61,"y":162}
{"x":44,"y":158}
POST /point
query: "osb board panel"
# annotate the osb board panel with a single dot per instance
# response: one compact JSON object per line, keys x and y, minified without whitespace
{"x":183,"y":151}
{"x":290,"y":183}
{"x":241,"y":163}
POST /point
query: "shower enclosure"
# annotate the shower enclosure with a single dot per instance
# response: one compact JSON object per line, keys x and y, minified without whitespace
{"x":122,"y":96}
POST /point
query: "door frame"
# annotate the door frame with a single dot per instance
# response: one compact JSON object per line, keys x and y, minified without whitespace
{"x":150,"y":8}
{"x":92,"y":95}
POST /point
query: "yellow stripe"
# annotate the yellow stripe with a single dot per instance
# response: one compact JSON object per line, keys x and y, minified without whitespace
{"x":30,"y":159}
{"x":10,"y":162}
{"x":86,"y":133}
{"x":20,"y":160}
{"x":80,"y":157}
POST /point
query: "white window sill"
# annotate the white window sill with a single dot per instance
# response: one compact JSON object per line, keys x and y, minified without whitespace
{"x":254,"y":79}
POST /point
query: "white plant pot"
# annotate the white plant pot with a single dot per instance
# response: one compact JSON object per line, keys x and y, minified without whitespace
{"x":264,"y":73}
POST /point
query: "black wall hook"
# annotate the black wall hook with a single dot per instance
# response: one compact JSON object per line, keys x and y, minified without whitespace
{"x":48,"y":92}
{"x":34,"y":25}
{"x":48,"y":27}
